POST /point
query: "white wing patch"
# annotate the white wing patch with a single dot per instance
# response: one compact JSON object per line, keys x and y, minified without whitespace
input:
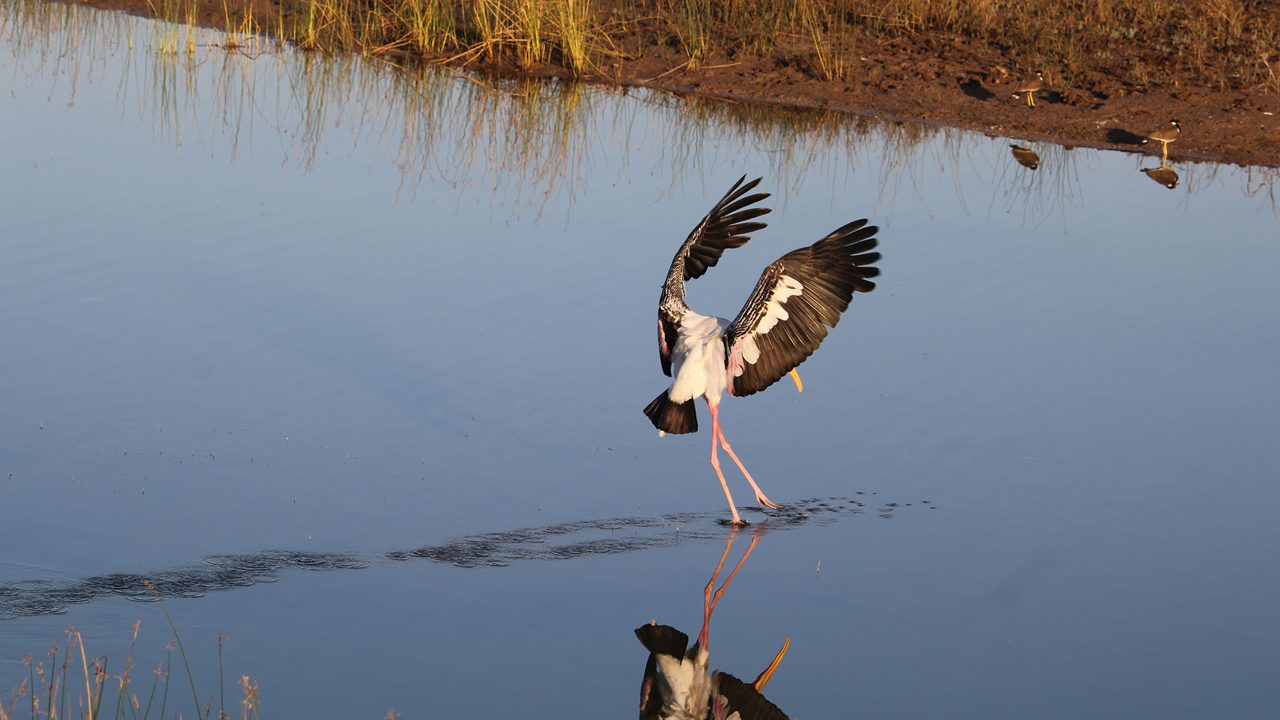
{"x":787,"y":287}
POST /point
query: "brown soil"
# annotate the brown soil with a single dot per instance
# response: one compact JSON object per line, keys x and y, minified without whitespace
{"x":941,"y":79}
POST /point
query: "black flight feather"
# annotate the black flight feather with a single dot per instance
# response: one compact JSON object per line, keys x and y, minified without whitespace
{"x":745,"y":699}
{"x":829,"y":272}
{"x":675,"y":418}
{"x":728,"y":225}
{"x":663,"y":640}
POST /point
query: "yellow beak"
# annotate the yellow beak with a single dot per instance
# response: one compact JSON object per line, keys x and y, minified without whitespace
{"x":796,"y":376}
{"x":763,"y":678}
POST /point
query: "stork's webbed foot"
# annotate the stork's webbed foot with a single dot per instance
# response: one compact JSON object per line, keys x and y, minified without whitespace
{"x":766,"y":502}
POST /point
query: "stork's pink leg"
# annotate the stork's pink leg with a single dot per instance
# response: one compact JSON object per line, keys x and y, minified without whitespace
{"x":760,"y":496}
{"x":715,"y":462}
{"x":708,"y":593}
{"x":711,"y":596}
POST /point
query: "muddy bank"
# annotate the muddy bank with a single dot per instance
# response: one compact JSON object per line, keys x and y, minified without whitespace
{"x":930,"y":80}
{"x":940,"y":78}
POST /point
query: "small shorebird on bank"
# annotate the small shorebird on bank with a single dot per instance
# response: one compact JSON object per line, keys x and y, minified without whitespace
{"x":1164,"y":135}
{"x":1030,"y":87}
{"x":678,"y":684}
{"x":1025,"y":156}
{"x":784,"y":320}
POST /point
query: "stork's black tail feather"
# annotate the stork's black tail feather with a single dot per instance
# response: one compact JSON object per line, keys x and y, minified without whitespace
{"x":663,"y":640}
{"x":672,"y":417}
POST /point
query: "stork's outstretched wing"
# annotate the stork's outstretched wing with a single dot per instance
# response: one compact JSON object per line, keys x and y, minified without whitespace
{"x":728,"y":225}
{"x":732,"y":696}
{"x":798,"y":297}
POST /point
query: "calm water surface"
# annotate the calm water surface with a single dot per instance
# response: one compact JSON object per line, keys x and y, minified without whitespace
{"x":350,"y":364}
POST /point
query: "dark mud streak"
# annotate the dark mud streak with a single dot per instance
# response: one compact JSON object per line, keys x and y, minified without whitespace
{"x":216,"y":572}
{"x":30,"y":598}
{"x":505,"y":548}
{"x":1120,"y":136}
{"x":976,"y":90}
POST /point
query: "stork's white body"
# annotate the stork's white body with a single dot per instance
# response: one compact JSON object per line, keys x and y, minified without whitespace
{"x":698,"y":359}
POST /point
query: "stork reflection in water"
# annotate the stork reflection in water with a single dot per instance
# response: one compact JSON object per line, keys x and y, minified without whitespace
{"x":784,"y":320}
{"x":677,"y":683}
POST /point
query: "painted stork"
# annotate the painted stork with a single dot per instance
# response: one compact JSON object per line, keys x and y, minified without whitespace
{"x":784,"y":320}
{"x":677,"y":683}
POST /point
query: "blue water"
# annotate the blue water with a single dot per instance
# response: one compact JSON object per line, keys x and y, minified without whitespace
{"x":297,"y":313}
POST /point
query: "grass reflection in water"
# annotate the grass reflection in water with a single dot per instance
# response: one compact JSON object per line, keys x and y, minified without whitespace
{"x":520,"y":142}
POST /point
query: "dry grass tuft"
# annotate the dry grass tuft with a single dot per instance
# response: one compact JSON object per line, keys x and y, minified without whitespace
{"x":46,"y":689}
{"x":74,"y":686}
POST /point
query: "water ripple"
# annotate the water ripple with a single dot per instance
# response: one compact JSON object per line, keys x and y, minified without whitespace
{"x":28,"y":598}
{"x":562,"y":541}
{"x":601,"y":537}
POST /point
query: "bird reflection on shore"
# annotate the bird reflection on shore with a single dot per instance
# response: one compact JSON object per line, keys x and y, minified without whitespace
{"x":1025,"y":156}
{"x":1162,"y":174}
{"x":1046,"y":184}
{"x":678,"y":683}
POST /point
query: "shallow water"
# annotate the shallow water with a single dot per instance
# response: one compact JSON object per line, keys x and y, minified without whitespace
{"x":349,"y":364}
